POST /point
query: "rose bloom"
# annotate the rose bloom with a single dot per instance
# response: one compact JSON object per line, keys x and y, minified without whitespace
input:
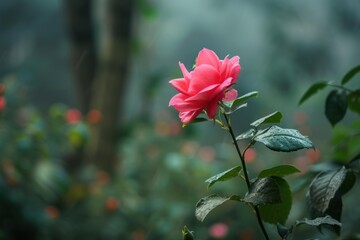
{"x":210,"y":82}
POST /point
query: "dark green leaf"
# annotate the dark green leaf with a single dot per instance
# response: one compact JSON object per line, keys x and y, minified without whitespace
{"x":271,"y":118}
{"x":248,"y":134}
{"x":349,"y":75}
{"x":263,"y":191}
{"x":207,"y":204}
{"x":187,"y":234}
{"x":334,"y":210}
{"x":349,"y":182}
{"x":278,"y":212}
{"x":283,"y":140}
{"x":354,"y":101}
{"x":237,"y":102}
{"x":323,"y":188}
{"x":319,"y":221}
{"x":312,"y":91}
{"x":228,"y":174}
{"x":336,"y":106}
{"x":278,"y":171}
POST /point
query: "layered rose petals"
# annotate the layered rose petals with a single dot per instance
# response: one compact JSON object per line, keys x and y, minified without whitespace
{"x":203,"y":88}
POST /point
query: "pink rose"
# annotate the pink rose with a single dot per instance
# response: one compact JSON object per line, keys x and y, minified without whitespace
{"x":203,"y":88}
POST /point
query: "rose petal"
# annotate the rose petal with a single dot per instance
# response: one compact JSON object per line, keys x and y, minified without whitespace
{"x":230,"y":95}
{"x":202,"y":77}
{"x":206,"y":56}
{"x":212,"y":108}
{"x":180,"y":84}
{"x":206,"y":94}
{"x":230,"y":68}
{"x":185,"y":72}
{"x":187,"y":117}
{"x":180,"y":103}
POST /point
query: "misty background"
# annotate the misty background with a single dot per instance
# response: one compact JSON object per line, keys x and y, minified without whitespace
{"x":116,"y":57}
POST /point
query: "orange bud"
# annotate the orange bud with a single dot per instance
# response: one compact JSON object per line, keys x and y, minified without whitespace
{"x":52,"y":212}
{"x":94,"y":116}
{"x":2,"y":103}
{"x":250,"y":155}
{"x":72,"y":116}
{"x":102,"y":177}
{"x":313,"y":155}
{"x":138,"y":235}
{"x":112,"y":204}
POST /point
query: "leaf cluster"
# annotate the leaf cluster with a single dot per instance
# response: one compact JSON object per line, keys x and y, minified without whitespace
{"x":340,"y":99}
{"x":269,"y":192}
{"x":324,"y":196}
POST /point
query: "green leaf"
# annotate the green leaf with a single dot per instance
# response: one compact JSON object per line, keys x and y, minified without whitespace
{"x":278,"y":171}
{"x":248,"y":134}
{"x":319,"y":221}
{"x":205,"y":205}
{"x":187,"y":234}
{"x":236,"y":108}
{"x":196,"y":120}
{"x":263,"y":191}
{"x":349,"y":75}
{"x":336,"y":106}
{"x":278,"y":212}
{"x":323,"y":189}
{"x":228,"y":174}
{"x":283,"y":140}
{"x":354,"y":101}
{"x":238,"y":103}
{"x":334,"y":210}
{"x":243,"y":98}
{"x":312,"y":91}
{"x":271,"y":118}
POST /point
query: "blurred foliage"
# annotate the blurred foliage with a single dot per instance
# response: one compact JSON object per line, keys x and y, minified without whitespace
{"x":151,"y":195}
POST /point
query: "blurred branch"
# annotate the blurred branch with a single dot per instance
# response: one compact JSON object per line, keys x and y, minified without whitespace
{"x":81,"y":32}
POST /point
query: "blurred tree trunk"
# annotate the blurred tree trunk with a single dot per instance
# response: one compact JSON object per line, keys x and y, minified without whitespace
{"x":82,"y":36}
{"x":108,"y":83}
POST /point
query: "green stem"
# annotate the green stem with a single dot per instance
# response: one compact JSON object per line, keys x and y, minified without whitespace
{"x":238,"y":151}
{"x":339,"y":86}
{"x":242,"y":158}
